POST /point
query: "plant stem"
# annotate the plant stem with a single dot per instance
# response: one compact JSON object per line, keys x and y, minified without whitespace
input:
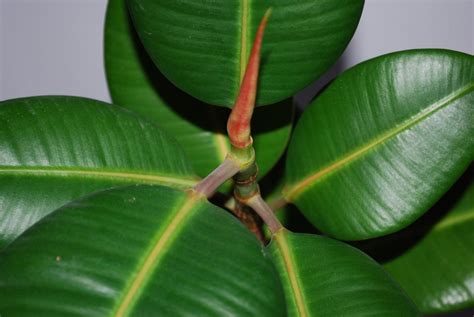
{"x":246,"y":180}
{"x":250,"y":219}
{"x":222,"y":173}
{"x":265,"y":212}
{"x":238,"y":129}
{"x":246,"y":187}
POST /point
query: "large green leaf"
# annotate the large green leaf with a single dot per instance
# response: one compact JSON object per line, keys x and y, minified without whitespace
{"x":323,"y":277}
{"x":138,"y":251}
{"x":203,"y":46}
{"x":437,"y":272}
{"x":55,"y":149}
{"x":136,"y":84}
{"x":383,"y":143}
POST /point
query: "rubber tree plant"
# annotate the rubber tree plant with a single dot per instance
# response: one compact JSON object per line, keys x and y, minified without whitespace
{"x":104,"y":209}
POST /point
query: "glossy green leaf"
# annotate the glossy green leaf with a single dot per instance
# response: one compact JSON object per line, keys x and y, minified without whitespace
{"x":323,"y":277}
{"x":55,"y":149}
{"x":203,"y":46}
{"x":135,"y":83}
{"x":437,"y":272}
{"x":138,"y":251}
{"x":288,"y":215}
{"x":383,"y":143}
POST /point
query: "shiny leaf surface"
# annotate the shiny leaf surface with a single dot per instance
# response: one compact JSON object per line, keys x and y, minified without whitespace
{"x":203,"y":46}
{"x":138,"y":251}
{"x":55,"y":149}
{"x":135,"y":83}
{"x":323,"y":277}
{"x":383,"y":143}
{"x":437,"y":272}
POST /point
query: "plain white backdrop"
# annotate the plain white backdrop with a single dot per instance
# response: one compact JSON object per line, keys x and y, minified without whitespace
{"x":55,"y":46}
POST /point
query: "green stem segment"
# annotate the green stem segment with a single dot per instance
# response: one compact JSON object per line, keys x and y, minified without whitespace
{"x":246,"y":187}
{"x":246,"y":179}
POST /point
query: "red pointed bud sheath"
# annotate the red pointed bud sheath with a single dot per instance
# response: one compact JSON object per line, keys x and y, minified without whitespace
{"x":238,"y":125}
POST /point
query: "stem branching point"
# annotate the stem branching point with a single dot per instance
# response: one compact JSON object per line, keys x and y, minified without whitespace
{"x":228,"y":168}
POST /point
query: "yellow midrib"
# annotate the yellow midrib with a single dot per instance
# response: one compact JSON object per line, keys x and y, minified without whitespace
{"x":243,"y":39}
{"x":297,"y":294}
{"x":455,"y":219}
{"x":220,"y":140}
{"x":222,"y":146}
{"x":295,"y":190}
{"x":137,"y":283}
{"x":100,"y":174}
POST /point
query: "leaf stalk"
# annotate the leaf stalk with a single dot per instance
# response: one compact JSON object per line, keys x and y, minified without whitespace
{"x":257,"y":203}
{"x":228,"y":168}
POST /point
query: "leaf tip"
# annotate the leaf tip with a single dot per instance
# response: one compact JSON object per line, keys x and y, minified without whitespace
{"x":238,"y":125}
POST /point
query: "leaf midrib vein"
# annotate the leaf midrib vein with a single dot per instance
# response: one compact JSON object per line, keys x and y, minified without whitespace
{"x":221,"y":146}
{"x":455,"y":220}
{"x":160,"y":244}
{"x":100,"y":174}
{"x":295,"y":190}
{"x":294,"y":284}
{"x":244,"y":38}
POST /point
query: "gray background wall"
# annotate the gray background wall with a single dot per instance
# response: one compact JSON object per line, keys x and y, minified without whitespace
{"x":55,"y":46}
